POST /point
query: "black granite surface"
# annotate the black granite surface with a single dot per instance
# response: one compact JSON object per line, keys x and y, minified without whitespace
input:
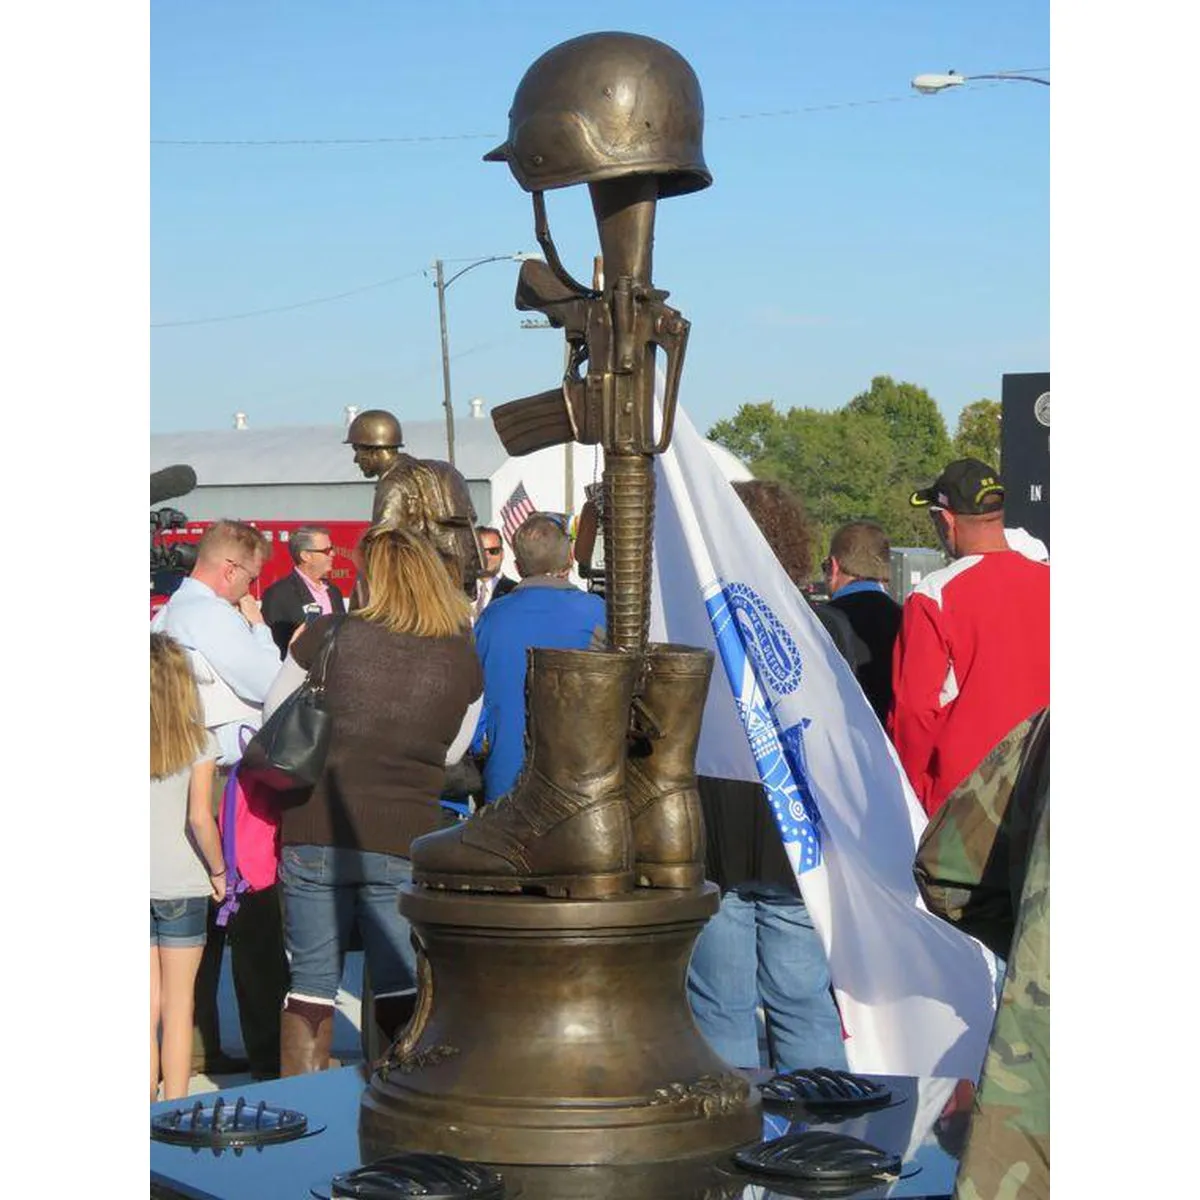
{"x":914,"y":1125}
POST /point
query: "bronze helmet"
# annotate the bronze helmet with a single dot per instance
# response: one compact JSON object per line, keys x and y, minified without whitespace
{"x":603,"y":106}
{"x":374,"y":427}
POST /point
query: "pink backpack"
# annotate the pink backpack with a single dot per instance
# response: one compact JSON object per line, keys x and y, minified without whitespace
{"x":249,"y":825}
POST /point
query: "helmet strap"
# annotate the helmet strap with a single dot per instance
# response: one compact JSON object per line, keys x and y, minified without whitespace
{"x":541,"y":225}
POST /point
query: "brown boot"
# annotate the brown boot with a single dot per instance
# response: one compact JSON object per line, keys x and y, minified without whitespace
{"x":564,"y":828}
{"x":660,"y":775}
{"x":305,"y":1035}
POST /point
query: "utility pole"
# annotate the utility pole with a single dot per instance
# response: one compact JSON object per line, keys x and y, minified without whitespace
{"x":446,"y":400}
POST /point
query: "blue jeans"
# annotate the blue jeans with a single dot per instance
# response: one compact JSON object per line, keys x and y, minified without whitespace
{"x":761,"y":947}
{"x":324,"y":889}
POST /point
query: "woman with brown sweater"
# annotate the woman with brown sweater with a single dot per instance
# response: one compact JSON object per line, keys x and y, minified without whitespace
{"x":401,"y":684}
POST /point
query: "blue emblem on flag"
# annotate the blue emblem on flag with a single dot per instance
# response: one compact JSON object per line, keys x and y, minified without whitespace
{"x":793,"y":747}
{"x":752,"y":643}
{"x":769,"y":643}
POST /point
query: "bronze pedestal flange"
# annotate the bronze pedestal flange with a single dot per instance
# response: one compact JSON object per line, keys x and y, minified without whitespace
{"x":714,"y":1178}
{"x":557,"y":1032}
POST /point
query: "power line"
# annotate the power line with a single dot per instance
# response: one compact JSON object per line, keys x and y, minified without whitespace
{"x":456,"y":137}
{"x":260,"y":312}
{"x":375,"y":141}
{"x":812,"y":108}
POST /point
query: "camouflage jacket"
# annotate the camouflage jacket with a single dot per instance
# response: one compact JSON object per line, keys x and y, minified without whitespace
{"x":969,"y":867}
{"x":984,"y":864}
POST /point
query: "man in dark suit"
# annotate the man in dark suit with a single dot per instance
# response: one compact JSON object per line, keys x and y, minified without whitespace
{"x":306,"y":590}
{"x":491,"y":585}
{"x":857,"y":570}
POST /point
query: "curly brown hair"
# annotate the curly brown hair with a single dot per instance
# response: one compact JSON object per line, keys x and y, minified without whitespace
{"x":780,"y":514}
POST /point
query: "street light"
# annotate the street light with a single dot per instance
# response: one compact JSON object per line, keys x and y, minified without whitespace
{"x":929,"y":85}
{"x":441,"y":283}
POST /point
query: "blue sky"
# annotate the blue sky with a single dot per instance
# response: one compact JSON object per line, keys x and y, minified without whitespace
{"x":907,"y":237}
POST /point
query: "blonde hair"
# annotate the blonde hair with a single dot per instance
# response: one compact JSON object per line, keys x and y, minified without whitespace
{"x":224,"y":537}
{"x":409,"y":589}
{"x":177,"y":733}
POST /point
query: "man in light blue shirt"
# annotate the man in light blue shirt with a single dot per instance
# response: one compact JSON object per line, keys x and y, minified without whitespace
{"x":213,"y":615}
{"x":235,"y":659}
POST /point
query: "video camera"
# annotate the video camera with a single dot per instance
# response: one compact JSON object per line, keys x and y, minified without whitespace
{"x":169,"y":561}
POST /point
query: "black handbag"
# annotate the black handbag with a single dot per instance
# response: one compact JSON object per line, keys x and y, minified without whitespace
{"x":289,"y":751}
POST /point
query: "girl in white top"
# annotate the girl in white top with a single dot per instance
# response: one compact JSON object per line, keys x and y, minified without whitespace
{"x":186,"y":864}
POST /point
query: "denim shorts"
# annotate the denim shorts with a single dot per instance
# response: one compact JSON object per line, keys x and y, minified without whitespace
{"x":181,"y":922}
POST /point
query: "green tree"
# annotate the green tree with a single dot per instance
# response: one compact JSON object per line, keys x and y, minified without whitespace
{"x":836,"y":461}
{"x":978,"y":432}
{"x":748,"y":432}
{"x":916,"y":427}
{"x":921,"y":448}
{"x":861,"y":461}
{"x":755,"y":434}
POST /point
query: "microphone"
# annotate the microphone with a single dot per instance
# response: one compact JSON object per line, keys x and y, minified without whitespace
{"x":171,"y":482}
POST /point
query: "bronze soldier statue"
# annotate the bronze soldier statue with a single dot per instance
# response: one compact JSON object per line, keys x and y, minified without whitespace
{"x":608,"y":796}
{"x":423,"y":494}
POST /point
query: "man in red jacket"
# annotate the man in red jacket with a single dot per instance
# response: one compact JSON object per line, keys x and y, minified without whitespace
{"x":973,"y":656}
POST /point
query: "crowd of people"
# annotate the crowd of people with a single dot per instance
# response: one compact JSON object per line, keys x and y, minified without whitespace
{"x":427,"y":689}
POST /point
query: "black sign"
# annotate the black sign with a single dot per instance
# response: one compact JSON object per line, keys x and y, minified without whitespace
{"x":1025,"y":452}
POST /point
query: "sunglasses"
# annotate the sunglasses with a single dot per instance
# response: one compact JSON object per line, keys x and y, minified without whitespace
{"x":493,"y":550}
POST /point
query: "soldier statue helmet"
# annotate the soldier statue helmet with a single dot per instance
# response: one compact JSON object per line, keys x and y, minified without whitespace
{"x":605,"y":106}
{"x":376,"y":436}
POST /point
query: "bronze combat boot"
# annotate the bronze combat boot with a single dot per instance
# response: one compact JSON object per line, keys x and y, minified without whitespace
{"x":564,"y":828}
{"x":660,"y":775}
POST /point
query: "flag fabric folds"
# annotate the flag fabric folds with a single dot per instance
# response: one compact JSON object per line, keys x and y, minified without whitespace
{"x":515,"y":511}
{"x":916,"y":995}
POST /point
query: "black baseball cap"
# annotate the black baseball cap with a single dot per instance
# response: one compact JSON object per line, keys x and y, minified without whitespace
{"x":966,"y":486}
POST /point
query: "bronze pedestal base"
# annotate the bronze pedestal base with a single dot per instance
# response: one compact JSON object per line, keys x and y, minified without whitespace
{"x":557,"y":1032}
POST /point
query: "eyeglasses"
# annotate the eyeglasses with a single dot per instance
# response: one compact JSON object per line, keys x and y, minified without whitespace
{"x":320,"y":550}
{"x":493,"y":550}
{"x":251,"y":575}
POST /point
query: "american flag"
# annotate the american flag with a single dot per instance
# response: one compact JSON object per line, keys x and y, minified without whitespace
{"x":515,"y":511}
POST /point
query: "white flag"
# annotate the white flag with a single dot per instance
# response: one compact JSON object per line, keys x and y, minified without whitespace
{"x":916,"y":995}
